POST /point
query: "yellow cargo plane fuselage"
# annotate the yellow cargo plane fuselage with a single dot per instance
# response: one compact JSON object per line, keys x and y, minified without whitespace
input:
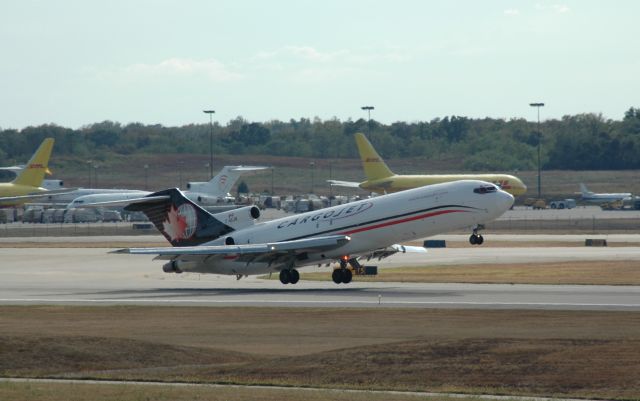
{"x":397,"y":182}
{"x":381,"y":179}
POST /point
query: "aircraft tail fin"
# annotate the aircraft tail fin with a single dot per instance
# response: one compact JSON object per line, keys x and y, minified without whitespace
{"x":374,"y":167}
{"x":182,"y":222}
{"x":34,"y":171}
{"x":584,"y":190}
{"x":221,"y":184}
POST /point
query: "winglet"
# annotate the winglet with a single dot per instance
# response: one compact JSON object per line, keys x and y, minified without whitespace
{"x":34,"y":171}
{"x":374,"y":167}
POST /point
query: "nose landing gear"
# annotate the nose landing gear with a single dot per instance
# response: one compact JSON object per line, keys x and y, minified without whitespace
{"x":476,"y":238}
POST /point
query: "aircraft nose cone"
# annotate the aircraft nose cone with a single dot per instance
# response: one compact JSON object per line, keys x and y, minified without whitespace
{"x":524,"y":188}
{"x":506,"y":200}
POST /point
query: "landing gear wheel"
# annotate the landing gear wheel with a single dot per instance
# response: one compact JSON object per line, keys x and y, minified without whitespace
{"x":336,"y":276}
{"x":346,"y":276}
{"x":285,"y":276}
{"x":294,"y":276}
{"x":479,"y":239}
{"x":473,"y":239}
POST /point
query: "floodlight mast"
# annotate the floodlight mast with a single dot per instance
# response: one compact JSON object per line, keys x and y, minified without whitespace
{"x":210,"y":113}
{"x":538,"y":105}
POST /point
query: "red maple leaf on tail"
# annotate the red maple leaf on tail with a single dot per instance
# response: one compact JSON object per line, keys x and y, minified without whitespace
{"x":175,"y":225}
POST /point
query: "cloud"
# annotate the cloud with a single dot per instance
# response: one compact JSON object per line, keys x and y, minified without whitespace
{"x":557,"y":8}
{"x":303,"y":63}
{"x":301,"y":53}
{"x":560,"y":8}
{"x":212,"y":69}
{"x":511,"y":12}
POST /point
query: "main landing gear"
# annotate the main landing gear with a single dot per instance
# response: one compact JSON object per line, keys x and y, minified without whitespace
{"x":475,"y":238}
{"x":289,"y":276}
{"x":342,"y":275}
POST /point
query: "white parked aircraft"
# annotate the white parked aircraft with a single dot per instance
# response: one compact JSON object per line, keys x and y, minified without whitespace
{"x":592,"y":197}
{"x":217,"y":190}
{"x":233,"y":243}
{"x":212,"y":193}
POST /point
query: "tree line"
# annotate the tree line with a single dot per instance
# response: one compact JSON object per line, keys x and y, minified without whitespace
{"x":576,"y":142}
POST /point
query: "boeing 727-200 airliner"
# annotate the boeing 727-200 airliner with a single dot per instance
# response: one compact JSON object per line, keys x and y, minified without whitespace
{"x":234,"y":243}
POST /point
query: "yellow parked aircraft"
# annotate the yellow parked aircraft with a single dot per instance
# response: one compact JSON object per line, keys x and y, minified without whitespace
{"x":26,"y":186}
{"x":381,"y":179}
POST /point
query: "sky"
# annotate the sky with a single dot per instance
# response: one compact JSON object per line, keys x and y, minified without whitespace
{"x":74,"y":63}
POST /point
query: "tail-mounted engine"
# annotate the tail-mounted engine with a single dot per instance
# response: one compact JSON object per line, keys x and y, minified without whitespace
{"x":239,"y":218}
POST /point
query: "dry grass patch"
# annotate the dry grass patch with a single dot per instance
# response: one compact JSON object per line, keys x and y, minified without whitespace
{"x":160,"y":392}
{"x":571,"y":353}
{"x":582,"y":273}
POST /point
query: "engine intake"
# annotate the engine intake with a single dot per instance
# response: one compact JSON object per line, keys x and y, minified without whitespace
{"x":171,"y":267}
{"x":239,"y":218}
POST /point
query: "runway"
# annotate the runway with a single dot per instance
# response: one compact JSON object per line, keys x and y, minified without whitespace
{"x":92,"y":276}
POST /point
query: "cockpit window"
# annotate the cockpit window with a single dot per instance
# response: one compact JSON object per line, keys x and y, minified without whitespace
{"x":485,"y":189}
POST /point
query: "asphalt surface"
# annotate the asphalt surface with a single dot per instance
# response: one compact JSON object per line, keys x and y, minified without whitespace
{"x":93,"y":276}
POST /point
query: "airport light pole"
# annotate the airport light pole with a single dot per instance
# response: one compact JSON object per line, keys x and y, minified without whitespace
{"x":180,"y":163}
{"x":330,"y":178}
{"x":90,"y":163}
{"x":95,"y":170}
{"x":146,"y":176}
{"x":210,"y":113}
{"x":312,"y":166}
{"x":538,"y":105}
{"x":272,"y":169}
{"x":368,"y":109}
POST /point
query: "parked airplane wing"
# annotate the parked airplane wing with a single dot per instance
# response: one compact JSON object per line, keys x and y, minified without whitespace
{"x":348,"y":184}
{"x":125,"y":202}
{"x":10,"y":200}
{"x":250,"y":252}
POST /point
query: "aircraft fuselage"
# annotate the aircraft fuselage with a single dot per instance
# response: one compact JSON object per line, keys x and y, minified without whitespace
{"x":371,"y":224}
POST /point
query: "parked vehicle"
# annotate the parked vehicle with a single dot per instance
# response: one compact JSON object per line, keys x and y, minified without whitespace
{"x":563,"y":204}
{"x":111,"y":216}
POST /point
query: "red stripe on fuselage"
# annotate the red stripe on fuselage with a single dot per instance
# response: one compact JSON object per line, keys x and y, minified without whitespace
{"x":391,"y":223}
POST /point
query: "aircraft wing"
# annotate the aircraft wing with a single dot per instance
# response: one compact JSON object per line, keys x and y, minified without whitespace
{"x":10,"y":200}
{"x":250,"y":168}
{"x":348,"y":184}
{"x":124,"y":202}
{"x":269,"y":252}
{"x":393,"y":249}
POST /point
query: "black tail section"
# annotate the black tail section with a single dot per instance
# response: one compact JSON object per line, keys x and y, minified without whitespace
{"x":182,"y":222}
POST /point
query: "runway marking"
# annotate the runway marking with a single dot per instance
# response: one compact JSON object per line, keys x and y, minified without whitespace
{"x":310,"y":302}
{"x":316,"y":389}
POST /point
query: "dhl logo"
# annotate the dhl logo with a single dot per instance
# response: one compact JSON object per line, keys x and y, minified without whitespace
{"x":503,"y":184}
{"x":372,"y":160}
{"x":36,"y":165}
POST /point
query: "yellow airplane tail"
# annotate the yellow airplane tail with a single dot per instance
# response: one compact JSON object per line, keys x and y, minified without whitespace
{"x":374,"y":167}
{"x":33,"y":173}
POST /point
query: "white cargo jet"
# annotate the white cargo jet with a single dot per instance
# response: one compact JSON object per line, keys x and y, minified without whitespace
{"x":234,"y":243}
{"x":592,"y":197}
{"x":212,"y":193}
